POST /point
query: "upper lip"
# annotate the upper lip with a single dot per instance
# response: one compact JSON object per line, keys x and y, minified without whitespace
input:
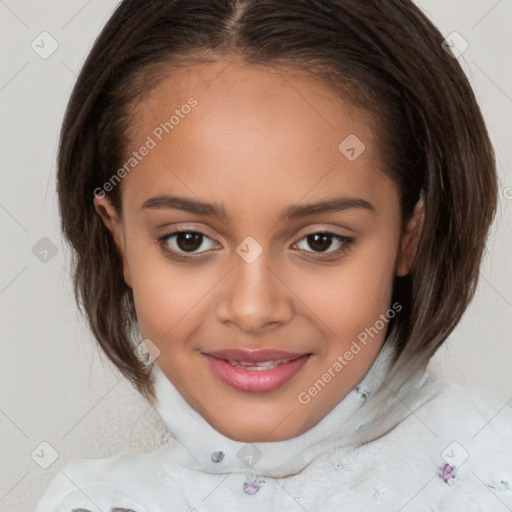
{"x":253,"y":356}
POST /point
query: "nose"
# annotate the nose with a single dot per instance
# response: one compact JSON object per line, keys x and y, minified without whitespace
{"x":254,"y":298}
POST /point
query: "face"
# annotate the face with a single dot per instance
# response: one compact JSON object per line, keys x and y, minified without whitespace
{"x":225,"y":252}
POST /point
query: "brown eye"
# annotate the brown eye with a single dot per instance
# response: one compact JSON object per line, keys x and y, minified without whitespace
{"x":185,"y":242}
{"x":321,"y":242}
{"x":189,"y":240}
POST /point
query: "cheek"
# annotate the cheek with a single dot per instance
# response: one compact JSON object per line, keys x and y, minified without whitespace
{"x":350,"y":297}
{"x":166,"y":295}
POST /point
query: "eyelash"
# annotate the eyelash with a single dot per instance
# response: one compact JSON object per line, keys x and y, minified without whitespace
{"x":347,"y":243}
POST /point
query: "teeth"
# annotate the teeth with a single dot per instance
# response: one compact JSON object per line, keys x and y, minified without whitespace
{"x":264,"y":365}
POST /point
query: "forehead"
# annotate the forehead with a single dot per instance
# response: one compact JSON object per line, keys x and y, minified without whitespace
{"x":235,"y":92}
{"x":255,"y":135}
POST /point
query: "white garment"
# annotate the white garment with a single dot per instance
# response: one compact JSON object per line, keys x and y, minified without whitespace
{"x":453,"y":453}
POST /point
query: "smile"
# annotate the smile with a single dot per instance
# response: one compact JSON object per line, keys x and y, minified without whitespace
{"x":255,"y":372}
{"x":267,"y":365}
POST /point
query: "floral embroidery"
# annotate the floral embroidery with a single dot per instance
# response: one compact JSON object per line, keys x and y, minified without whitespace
{"x":447,"y":473}
{"x":115,"y":509}
{"x":253,"y":484}
{"x":503,"y":487}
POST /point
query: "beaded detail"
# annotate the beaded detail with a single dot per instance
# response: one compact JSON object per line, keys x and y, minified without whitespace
{"x":217,"y":456}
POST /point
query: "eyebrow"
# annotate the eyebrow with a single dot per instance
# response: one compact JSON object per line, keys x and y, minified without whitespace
{"x":163,"y":202}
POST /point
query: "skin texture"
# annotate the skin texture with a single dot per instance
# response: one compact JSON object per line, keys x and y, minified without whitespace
{"x":259,"y":140}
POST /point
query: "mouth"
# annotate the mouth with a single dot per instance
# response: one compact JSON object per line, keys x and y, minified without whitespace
{"x":255,"y":371}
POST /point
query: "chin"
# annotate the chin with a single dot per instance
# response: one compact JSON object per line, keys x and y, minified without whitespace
{"x":264,"y":428}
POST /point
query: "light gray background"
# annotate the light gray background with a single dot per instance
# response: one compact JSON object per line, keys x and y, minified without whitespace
{"x":54,"y":384}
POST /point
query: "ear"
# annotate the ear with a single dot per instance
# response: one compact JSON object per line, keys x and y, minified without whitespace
{"x":114,"y":224}
{"x":410,"y":239}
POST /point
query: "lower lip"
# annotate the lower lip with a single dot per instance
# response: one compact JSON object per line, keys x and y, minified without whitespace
{"x":255,"y":381}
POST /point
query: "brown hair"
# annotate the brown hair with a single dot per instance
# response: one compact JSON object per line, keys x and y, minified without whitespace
{"x":383,"y":56}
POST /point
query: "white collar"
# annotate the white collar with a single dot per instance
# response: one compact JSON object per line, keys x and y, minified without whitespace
{"x":205,"y":445}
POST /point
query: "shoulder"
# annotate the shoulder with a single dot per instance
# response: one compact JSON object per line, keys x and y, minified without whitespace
{"x":461,"y":439}
{"x":468,"y":414}
{"x":103,"y":483}
{"x":480,"y":423}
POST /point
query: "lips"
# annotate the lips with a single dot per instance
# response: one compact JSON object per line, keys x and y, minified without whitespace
{"x":255,"y":371}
